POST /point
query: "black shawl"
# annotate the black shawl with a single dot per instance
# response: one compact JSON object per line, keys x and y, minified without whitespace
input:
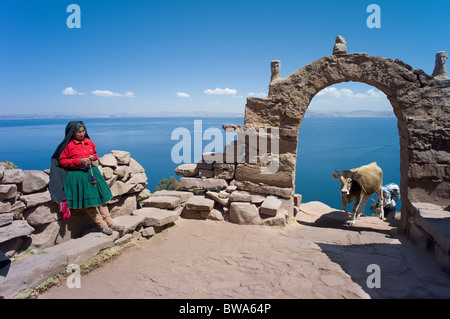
{"x":58,"y":173}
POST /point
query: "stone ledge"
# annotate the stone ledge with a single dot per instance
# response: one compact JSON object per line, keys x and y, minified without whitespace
{"x":434,"y":221}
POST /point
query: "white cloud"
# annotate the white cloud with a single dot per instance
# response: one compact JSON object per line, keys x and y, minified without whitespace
{"x":107,"y":93}
{"x":70,"y":91}
{"x":219,"y":91}
{"x":332,"y":92}
{"x":260,"y":94}
{"x":183,"y":94}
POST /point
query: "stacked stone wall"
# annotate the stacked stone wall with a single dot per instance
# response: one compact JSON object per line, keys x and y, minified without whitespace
{"x":29,"y":219}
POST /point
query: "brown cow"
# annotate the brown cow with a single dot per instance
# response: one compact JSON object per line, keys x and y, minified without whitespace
{"x":357,"y":185}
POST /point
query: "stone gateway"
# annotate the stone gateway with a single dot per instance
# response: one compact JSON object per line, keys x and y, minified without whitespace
{"x":420,"y":102}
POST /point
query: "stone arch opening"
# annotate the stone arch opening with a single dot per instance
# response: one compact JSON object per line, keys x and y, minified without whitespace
{"x":330,"y":140}
{"x":420,"y":102}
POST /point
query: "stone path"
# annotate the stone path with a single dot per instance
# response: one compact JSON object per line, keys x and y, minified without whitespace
{"x":316,"y":256}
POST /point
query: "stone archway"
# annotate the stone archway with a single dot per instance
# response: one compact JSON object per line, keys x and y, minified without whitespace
{"x":420,"y":102}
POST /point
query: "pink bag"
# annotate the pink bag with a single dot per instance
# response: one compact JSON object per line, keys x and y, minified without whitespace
{"x":64,"y":209}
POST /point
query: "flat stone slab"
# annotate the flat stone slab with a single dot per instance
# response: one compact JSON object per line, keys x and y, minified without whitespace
{"x":200,"y":203}
{"x":182,"y":195}
{"x":193,"y":183}
{"x":435,"y":221}
{"x":130,"y":222}
{"x":28,"y":273}
{"x":271,"y":206}
{"x":17,"y":228}
{"x":166,"y":202}
{"x":81,"y":249}
{"x":153,"y":216}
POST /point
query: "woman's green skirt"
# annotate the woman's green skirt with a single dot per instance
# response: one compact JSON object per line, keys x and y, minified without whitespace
{"x":81,"y":192}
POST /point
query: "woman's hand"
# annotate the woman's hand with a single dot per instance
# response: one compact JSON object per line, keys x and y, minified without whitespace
{"x":85,"y":161}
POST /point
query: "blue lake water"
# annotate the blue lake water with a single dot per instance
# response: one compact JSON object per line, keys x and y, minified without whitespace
{"x":325,"y":145}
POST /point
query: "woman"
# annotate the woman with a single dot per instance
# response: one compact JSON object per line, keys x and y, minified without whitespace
{"x":75,"y":183}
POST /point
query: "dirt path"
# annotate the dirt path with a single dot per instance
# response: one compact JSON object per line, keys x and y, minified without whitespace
{"x":316,"y":256}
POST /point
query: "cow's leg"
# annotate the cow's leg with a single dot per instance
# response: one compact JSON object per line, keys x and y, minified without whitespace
{"x":344,"y":206}
{"x":362,"y":205}
{"x":381,"y":202}
{"x":355,"y":210}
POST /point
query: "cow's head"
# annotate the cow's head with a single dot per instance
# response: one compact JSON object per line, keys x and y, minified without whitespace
{"x":346,"y":178}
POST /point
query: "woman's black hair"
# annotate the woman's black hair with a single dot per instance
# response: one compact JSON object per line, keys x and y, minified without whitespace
{"x":79,"y":125}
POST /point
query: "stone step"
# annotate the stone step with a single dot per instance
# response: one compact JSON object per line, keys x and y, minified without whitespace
{"x":81,"y":249}
{"x":152,"y":216}
{"x":165,"y":202}
{"x":27,"y":273}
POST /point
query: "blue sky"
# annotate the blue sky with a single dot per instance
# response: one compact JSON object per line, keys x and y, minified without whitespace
{"x":180,"y":56}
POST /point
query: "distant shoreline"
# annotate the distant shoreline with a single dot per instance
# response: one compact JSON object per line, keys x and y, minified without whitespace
{"x":362,"y":113}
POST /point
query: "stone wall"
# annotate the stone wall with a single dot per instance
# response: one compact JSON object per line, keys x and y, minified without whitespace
{"x":29,"y":219}
{"x":228,"y":187}
{"x":420,"y":102}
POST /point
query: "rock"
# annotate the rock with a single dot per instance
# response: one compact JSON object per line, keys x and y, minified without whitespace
{"x":130,"y":222}
{"x":8,"y":191}
{"x":225,"y":171}
{"x":214,"y":214}
{"x":140,"y":178}
{"x":28,"y":273}
{"x":112,"y":180}
{"x":5,"y":207}
{"x":148,"y":231}
{"x":123,"y":172}
{"x":240,"y":196}
{"x":340,"y":46}
{"x":108,"y":173}
{"x":123,"y":157}
{"x":12,"y":176}
{"x":41,"y":214}
{"x":45,"y":235}
{"x":182,"y":195}
{"x":244,"y":214}
{"x":81,"y":249}
{"x":278,"y":220}
{"x":187,"y":170}
{"x":143,"y":195}
{"x":34,"y":181}
{"x":205,"y":173}
{"x":136,"y":167}
{"x":217,"y":198}
{"x":231,"y":188}
{"x":35,"y":199}
{"x":270,"y":206}
{"x":120,"y":188}
{"x":297,"y":200}
{"x":125,"y":206}
{"x":153,"y":216}
{"x":281,"y":177}
{"x":108,"y":160}
{"x":264,"y":189}
{"x":123,"y":240}
{"x":199,"y":203}
{"x":192,"y":183}
{"x":17,"y":208}
{"x":5,"y":219}
{"x":17,"y":228}
{"x":166,"y":202}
